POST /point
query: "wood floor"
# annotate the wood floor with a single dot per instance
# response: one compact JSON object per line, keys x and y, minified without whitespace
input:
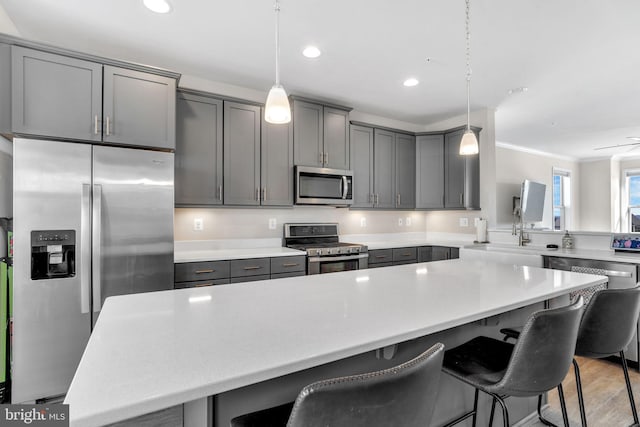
{"x":605,"y":395}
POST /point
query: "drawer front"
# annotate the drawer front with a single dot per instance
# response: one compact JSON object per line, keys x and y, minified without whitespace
{"x":250,"y":267}
{"x":199,"y":271}
{"x":288,"y":274}
{"x":250,"y":278}
{"x":381,"y":264}
{"x":288,"y":264}
{"x":405,"y":255}
{"x":380,"y":255}
{"x":183,"y":285}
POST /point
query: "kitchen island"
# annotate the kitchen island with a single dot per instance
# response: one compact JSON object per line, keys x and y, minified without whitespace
{"x":156,"y":350}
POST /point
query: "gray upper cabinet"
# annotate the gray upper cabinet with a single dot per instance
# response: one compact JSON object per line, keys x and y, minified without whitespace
{"x":276,"y":174}
{"x":308,"y":134}
{"x":405,"y":166}
{"x":67,"y":97}
{"x":139,"y":108}
{"x":336,"y":138}
{"x":361,"y":141}
{"x":54,"y":95}
{"x":384,"y":176}
{"x":430,"y":172}
{"x":320,"y":135}
{"x":241,"y":154}
{"x":462,"y":175}
{"x":198,"y":159}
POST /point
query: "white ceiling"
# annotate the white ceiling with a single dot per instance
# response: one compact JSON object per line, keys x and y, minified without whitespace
{"x":579,"y":58}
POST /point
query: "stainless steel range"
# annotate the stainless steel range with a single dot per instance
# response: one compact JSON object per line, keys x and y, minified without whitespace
{"x":325,"y":252}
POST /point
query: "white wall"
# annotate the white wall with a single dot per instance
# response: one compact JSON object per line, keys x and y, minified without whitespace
{"x":596,"y":195}
{"x":514,"y":166}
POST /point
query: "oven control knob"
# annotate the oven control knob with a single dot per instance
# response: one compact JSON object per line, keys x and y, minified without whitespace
{"x":355,"y":250}
{"x":313,"y":252}
{"x":329,"y":251}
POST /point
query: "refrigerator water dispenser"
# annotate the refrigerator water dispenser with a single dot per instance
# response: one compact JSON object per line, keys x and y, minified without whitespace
{"x":53,"y":254}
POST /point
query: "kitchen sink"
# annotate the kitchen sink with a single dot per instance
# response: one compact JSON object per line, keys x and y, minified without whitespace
{"x":505,"y":254}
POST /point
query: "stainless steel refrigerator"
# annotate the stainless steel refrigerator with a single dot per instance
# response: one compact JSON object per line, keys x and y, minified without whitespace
{"x":90,"y":221}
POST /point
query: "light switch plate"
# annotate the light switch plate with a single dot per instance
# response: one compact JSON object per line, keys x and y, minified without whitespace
{"x":363,"y":222}
{"x":198,"y":224}
{"x":272,"y":223}
{"x":464,"y":222}
{"x":408,"y":221}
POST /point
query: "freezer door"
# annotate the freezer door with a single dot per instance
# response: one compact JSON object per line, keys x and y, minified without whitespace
{"x":133,"y":222}
{"x":51,"y":317}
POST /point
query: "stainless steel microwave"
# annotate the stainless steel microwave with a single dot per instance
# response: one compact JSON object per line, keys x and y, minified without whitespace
{"x":323,"y":186}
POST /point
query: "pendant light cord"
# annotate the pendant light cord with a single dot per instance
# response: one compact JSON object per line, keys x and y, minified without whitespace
{"x":277,"y":9}
{"x":468,"y":40}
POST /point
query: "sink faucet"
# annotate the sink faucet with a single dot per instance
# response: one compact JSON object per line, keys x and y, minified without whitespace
{"x":523,"y":238}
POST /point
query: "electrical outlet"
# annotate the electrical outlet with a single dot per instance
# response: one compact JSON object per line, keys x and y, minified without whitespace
{"x":399,"y":222}
{"x":272,"y":223}
{"x":476,"y":221}
{"x":464,"y":222}
{"x":408,"y":221}
{"x":363,"y":222}
{"x":198,"y":224}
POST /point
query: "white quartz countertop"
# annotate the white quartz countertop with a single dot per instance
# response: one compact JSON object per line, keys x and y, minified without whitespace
{"x":155,"y":350}
{"x":227,"y":254}
{"x":596,"y":254}
{"x":387,"y":244}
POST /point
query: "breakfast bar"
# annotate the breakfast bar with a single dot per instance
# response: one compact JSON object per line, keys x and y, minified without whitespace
{"x":156,"y":350}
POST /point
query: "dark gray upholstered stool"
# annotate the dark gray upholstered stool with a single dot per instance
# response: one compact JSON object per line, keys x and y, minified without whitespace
{"x":607,"y":327}
{"x":535,"y":364}
{"x":404,"y":395}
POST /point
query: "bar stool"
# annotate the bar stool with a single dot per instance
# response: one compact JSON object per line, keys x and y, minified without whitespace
{"x":535,"y":364}
{"x":403,"y":395}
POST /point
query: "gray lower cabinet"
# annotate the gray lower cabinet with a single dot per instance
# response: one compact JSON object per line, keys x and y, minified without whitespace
{"x":380,"y":258}
{"x":242,"y":124}
{"x":65,"y":97}
{"x":430,"y":172}
{"x":361,"y":141}
{"x":407,"y":255}
{"x":405,"y":167}
{"x":439,"y":253}
{"x":276,"y":165}
{"x":384,"y":169}
{"x":320,"y":135}
{"x":425,"y":254}
{"x":208,"y":273}
{"x":198,"y":156}
{"x":462,"y":175}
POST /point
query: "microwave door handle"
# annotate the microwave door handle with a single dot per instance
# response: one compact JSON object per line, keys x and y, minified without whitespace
{"x":345,"y":187}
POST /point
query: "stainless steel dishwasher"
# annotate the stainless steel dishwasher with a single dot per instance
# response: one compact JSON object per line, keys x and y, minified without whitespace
{"x":621,"y":275}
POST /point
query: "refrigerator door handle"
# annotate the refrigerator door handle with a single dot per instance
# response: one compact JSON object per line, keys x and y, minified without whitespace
{"x":85,"y":254}
{"x":97,"y":242}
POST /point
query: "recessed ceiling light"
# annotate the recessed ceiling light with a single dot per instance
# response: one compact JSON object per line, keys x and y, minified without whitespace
{"x":411,"y":82}
{"x":311,"y":52}
{"x":635,"y":138}
{"x":158,"y":6}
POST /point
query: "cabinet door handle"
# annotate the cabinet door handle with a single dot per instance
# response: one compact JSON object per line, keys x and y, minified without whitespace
{"x":326,"y":158}
{"x":398,"y":199}
{"x":377,"y":199}
{"x":380,"y":256}
{"x":461,"y":198}
{"x":95,"y":124}
{"x":290,"y":264}
{"x":220,"y":192}
{"x":199,"y":285}
{"x":258,"y":194}
{"x":257,"y":267}
{"x":406,"y":254}
{"x":108,"y":126}
{"x":264,"y":194}
{"x":204,"y":271}
{"x":321,"y":158}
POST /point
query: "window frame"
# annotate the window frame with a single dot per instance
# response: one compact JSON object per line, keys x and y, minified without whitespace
{"x":628,"y":173}
{"x":564,"y":207}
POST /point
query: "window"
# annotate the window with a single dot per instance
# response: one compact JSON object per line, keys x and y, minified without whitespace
{"x":633,"y":195}
{"x":561,"y":198}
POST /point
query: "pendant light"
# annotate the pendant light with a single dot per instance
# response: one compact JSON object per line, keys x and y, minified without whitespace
{"x":277,"y":109}
{"x":469,"y":143}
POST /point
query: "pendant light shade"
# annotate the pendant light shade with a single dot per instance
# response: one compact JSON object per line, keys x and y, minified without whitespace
{"x":469,"y":142}
{"x":277,"y":109}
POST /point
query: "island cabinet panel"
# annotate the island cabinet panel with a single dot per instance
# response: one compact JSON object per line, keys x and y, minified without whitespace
{"x":361,"y":141}
{"x":384,"y":176}
{"x":380,"y":258}
{"x":255,"y":278}
{"x":276,"y":165}
{"x":63,"y":97}
{"x":439,"y":253}
{"x":198,"y":157}
{"x":55,"y":95}
{"x":407,"y":255}
{"x":405,"y":171}
{"x":200,"y":283}
{"x":241,"y":154}
{"x":424,"y":254}
{"x":430,"y":172}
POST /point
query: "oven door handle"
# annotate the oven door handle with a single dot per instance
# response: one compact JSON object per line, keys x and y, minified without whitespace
{"x":337,"y":258}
